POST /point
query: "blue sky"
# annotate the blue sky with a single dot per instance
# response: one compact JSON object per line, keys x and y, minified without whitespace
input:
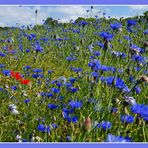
{"x":25,"y":15}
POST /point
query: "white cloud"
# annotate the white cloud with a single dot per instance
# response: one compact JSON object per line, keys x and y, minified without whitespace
{"x":139,"y":7}
{"x":25,"y":15}
{"x":10,"y":15}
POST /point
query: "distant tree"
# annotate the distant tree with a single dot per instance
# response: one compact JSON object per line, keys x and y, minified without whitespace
{"x":51,"y":22}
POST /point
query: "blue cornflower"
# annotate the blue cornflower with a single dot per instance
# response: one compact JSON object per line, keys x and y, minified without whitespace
{"x":104,"y":125}
{"x":27,"y":50}
{"x":27,"y":67}
{"x":138,"y":58}
{"x":59,"y":84}
{"x":127,"y":119}
{"x":73,"y":119}
{"x":68,"y":111}
{"x":137,"y":68}
{"x":109,"y":80}
{"x":95,"y":74}
{"x":116,"y":26}
{"x":75,"y":104}
{"x":68,"y":85}
{"x":137,"y":90}
{"x":125,"y":90}
{"x":9,"y":40}
{"x":48,"y":94}
{"x":145,"y":31}
{"x":96,"y":53}
{"x":55,"y":90}
{"x":71,"y":58}
{"x":38,"y":48}
{"x":2,"y":66}
{"x":119,"y":83}
{"x":114,"y":110}
{"x":35,"y":76}
{"x":37,"y":70}
{"x":77,"y":70}
{"x":52,"y":106}
{"x":101,"y":45}
{"x":131,"y":22}
{"x":127,"y":38}
{"x":72,"y":80}
{"x":106,"y":35}
{"x":83,"y":23}
{"x":40,"y":75}
{"x":136,"y":108}
{"x":144,"y":112}
{"x":27,"y":101}
{"x":68,"y":138}
{"x":24,"y":140}
{"x":41,"y":128}
{"x":54,"y":125}
{"x":50,"y":71}
{"x":112,"y":138}
{"x":2,"y":54}
{"x":73,"y":89}
{"x":13,"y":87}
{"x":6,"y":72}
{"x":105,"y":68}
{"x":131,"y":78}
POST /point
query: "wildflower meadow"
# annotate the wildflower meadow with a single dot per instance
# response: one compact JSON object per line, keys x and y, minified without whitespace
{"x":81,"y":81}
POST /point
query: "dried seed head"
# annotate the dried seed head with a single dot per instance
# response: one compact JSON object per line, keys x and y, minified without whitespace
{"x":87,"y":124}
{"x":134,"y":50}
{"x":145,"y":44}
{"x":144,"y":79}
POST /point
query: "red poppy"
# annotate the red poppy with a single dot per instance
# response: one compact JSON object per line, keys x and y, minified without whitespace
{"x":16,"y":75}
{"x":25,"y":81}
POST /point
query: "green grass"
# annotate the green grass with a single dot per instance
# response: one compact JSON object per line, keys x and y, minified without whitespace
{"x":54,"y":58}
